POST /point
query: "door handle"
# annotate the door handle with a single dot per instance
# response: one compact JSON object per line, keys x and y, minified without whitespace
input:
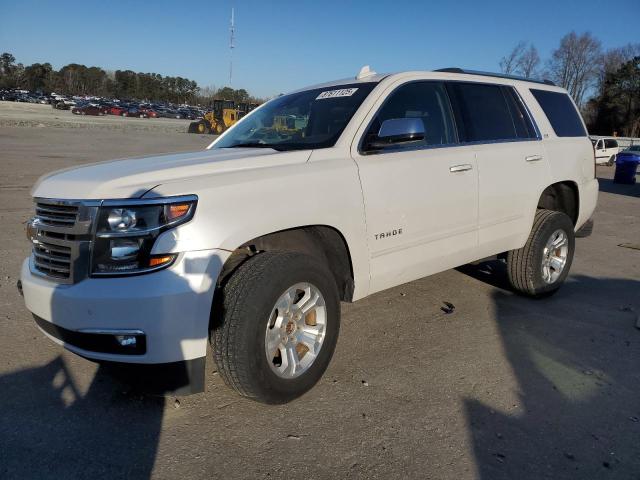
{"x":533,"y":158}
{"x":460,"y":168}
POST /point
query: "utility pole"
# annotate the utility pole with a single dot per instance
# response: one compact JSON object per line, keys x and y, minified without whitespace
{"x":232,"y":36}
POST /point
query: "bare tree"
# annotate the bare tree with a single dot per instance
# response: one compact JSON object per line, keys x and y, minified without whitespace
{"x":522,"y":60}
{"x":528,"y":62}
{"x":576,"y":64}
{"x":509,"y":63}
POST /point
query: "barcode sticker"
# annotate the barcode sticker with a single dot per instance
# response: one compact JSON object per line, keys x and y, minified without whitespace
{"x":343,"y":92}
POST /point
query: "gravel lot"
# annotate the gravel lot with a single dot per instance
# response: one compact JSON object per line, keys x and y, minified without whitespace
{"x":503,"y":387}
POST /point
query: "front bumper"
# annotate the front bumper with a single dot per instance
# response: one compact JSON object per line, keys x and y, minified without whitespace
{"x":169,"y":310}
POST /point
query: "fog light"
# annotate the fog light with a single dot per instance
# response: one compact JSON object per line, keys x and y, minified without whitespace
{"x":127,"y":340}
{"x":123,"y":250}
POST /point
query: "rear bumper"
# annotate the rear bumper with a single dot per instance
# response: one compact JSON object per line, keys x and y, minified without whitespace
{"x":588,"y":196}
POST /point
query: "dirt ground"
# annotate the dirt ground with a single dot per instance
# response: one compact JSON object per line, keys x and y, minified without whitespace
{"x":504,"y":387}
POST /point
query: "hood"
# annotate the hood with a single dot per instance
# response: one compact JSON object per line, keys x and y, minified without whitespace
{"x":133,"y":177}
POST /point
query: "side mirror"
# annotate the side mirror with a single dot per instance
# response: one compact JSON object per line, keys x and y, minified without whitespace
{"x":399,"y":131}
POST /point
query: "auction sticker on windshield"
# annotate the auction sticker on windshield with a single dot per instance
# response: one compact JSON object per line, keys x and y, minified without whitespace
{"x":343,"y":92}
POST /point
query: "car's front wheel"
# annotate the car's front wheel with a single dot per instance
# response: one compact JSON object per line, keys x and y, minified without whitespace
{"x":276,"y":326}
{"x":540,"y":267}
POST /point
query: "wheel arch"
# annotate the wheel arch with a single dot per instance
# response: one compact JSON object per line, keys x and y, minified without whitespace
{"x":324,"y":242}
{"x":562,"y":197}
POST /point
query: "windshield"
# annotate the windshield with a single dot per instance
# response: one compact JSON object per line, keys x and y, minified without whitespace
{"x":305,"y":120}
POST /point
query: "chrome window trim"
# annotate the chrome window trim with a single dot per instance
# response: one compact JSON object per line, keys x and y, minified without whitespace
{"x":399,"y":149}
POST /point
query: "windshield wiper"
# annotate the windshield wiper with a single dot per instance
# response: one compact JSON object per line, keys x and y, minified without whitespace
{"x":257,"y":145}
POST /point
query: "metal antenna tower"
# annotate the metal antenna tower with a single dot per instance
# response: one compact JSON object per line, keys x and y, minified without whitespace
{"x":232,"y":37}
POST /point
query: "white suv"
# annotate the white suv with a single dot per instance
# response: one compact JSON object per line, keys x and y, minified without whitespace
{"x":328,"y":194}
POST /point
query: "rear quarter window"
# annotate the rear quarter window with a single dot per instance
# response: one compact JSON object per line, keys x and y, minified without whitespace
{"x":562,"y":114}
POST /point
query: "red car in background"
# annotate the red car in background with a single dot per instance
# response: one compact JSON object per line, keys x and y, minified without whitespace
{"x":116,"y":110}
{"x":150,"y":112}
{"x":89,"y":110}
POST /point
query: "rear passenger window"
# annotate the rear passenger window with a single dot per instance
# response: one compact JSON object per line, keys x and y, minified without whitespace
{"x":521,"y":120}
{"x":425,"y":100}
{"x":559,"y":109}
{"x":486,"y":113}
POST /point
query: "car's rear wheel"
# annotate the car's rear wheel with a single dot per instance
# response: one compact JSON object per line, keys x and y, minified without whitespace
{"x":540,"y":267}
{"x":276,"y":326}
{"x":612,"y":160}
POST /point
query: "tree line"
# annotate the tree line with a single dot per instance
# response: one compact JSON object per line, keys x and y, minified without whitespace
{"x":76,"y":79}
{"x":605,"y":84}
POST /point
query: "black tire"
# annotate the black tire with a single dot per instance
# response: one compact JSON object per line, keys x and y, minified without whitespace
{"x":612,"y":160}
{"x":241,"y":317}
{"x":524,"y":266}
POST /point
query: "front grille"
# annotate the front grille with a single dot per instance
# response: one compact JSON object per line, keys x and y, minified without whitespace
{"x":57,"y":215}
{"x":52,"y":260}
{"x":62,"y":239}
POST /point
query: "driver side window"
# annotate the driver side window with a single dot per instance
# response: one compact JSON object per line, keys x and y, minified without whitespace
{"x":427,"y":101}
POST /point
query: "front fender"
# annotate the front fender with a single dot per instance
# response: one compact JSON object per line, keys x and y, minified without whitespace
{"x":235,"y":207}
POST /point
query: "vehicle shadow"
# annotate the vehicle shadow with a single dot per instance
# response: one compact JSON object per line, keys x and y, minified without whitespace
{"x":607,"y":185}
{"x":575,"y":357}
{"x":49,"y":429}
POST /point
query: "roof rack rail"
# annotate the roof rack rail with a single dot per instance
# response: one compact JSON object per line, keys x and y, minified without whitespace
{"x":497,"y":75}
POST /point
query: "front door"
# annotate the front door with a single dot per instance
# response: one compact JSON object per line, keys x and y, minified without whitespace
{"x":421,"y":198}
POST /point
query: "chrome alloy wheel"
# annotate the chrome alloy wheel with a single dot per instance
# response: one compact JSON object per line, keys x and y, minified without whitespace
{"x":295,"y":330}
{"x":554,"y":256}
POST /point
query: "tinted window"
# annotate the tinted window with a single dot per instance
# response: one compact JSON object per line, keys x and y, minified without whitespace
{"x":561,"y":113}
{"x":484,"y":113}
{"x":424,"y":100}
{"x":610,"y":144}
{"x":521,"y":121}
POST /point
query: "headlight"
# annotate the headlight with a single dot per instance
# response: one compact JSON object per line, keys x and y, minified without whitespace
{"x":126,"y":232}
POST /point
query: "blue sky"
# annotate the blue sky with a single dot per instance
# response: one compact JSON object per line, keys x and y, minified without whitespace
{"x":283,"y":45}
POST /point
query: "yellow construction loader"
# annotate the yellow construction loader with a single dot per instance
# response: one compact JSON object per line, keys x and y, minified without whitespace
{"x":223,"y":114}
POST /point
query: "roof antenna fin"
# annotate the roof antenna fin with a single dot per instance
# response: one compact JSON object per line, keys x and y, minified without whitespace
{"x":365,"y":72}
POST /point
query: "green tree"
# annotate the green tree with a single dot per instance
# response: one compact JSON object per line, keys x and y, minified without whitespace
{"x":38,"y":77}
{"x":618,"y":106}
{"x":7,"y":70}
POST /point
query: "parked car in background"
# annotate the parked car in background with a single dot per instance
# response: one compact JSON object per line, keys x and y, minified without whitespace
{"x":188,"y":114}
{"x":149,"y":112}
{"x":134,"y":112}
{"x":169,"y":113}
{"x":117,"y":110}
{"x":8,"y":95}
{"x":89,"y":109}
{"x":630,"y":153}
{"x":606,"y":150}
{"x":64,"y":104}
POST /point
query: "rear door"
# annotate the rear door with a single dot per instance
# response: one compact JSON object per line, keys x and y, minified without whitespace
{"x":512,"y":169}
{"x":421,"y":199}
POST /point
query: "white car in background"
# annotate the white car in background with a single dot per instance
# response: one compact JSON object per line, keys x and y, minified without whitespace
{"x":606,"y":150}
